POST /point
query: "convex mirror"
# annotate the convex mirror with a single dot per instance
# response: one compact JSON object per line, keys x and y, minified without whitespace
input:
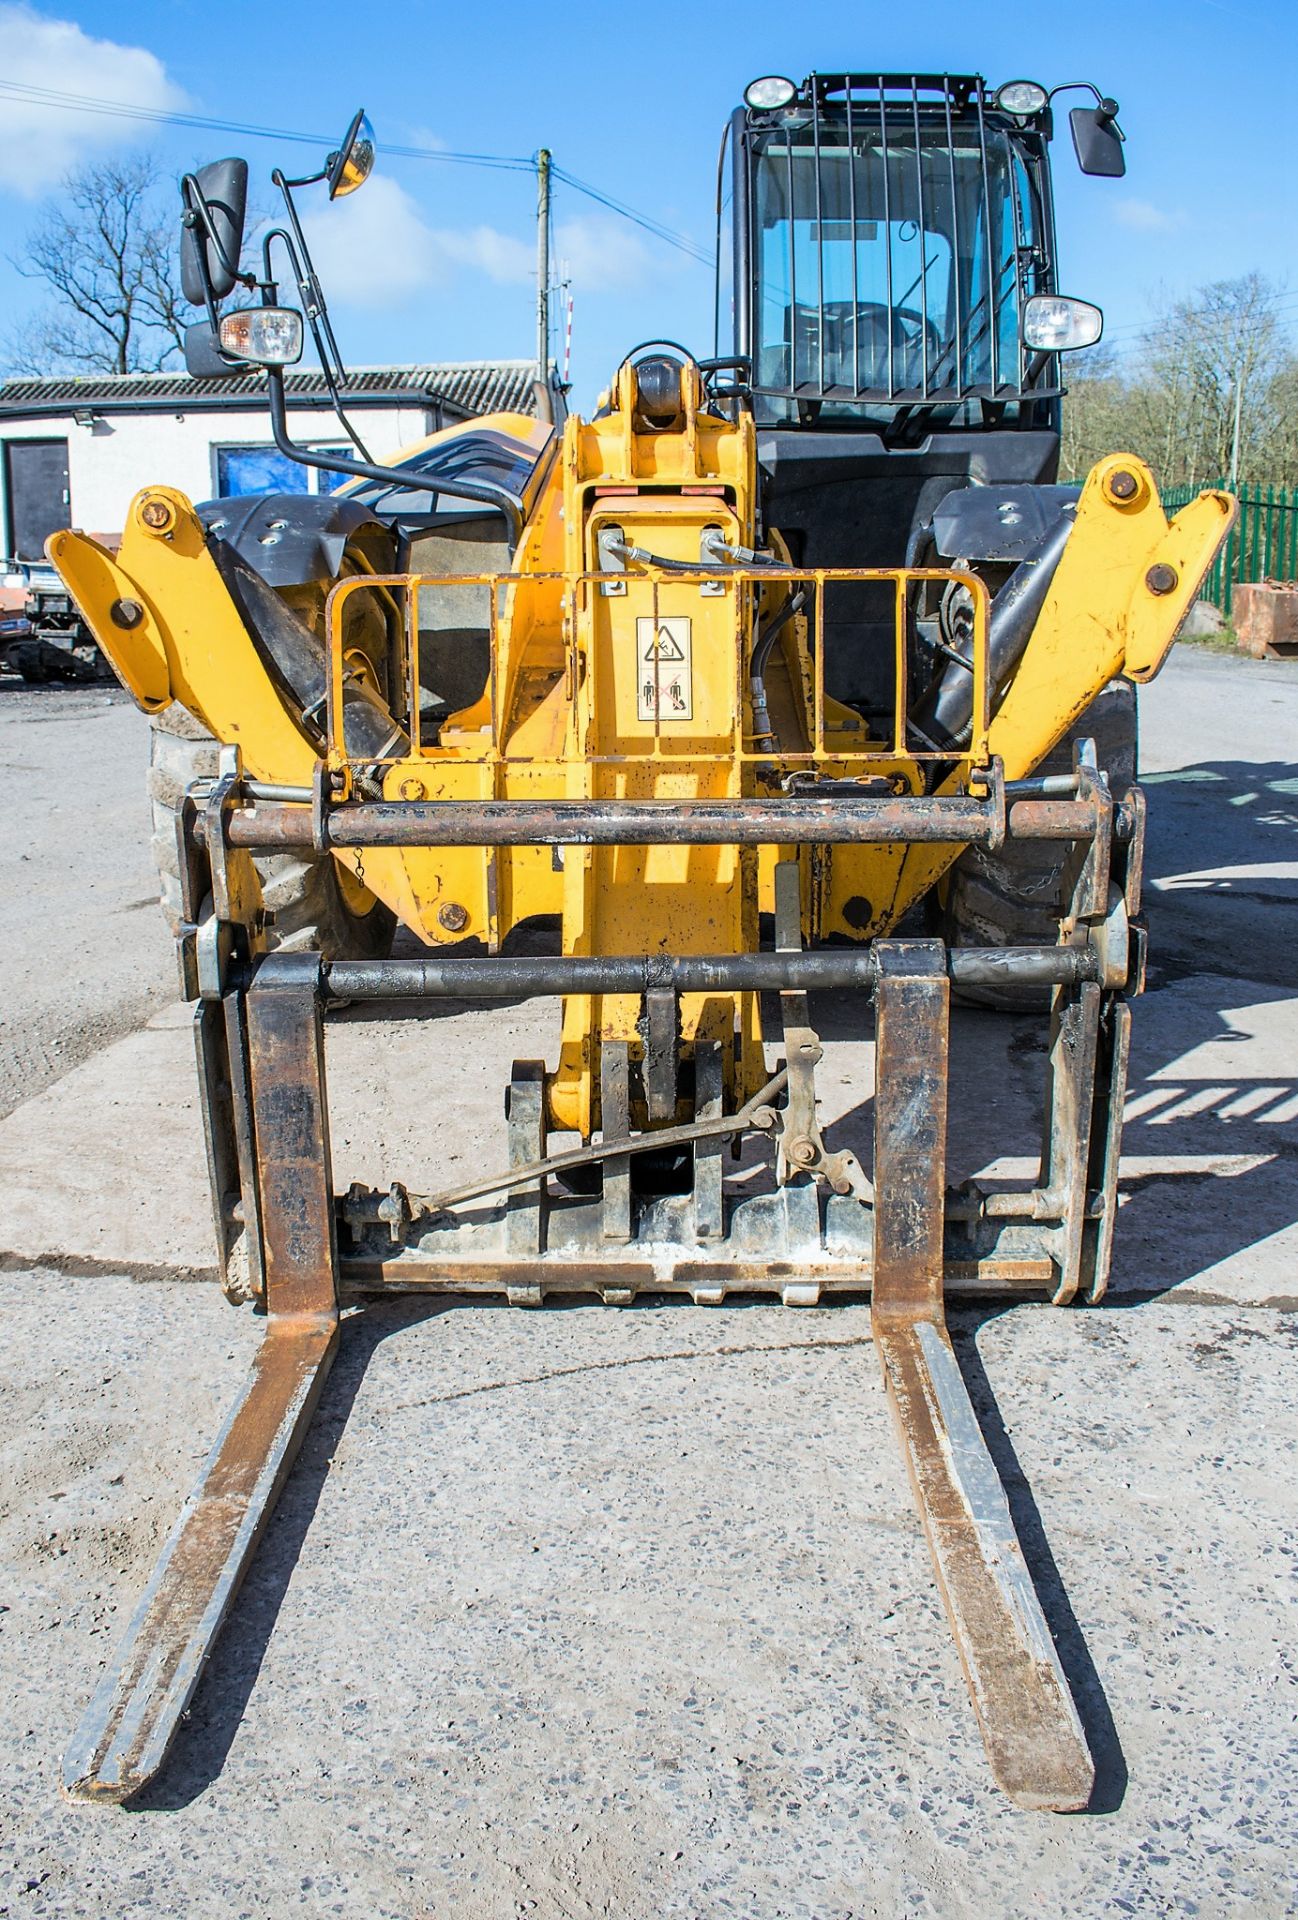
{"x":353,"y":163}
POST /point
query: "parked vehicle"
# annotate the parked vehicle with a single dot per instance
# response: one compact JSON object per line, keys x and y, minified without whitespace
{"x":42,"y":634}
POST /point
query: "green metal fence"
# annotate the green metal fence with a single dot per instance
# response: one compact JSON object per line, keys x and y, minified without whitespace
{"x":1262,"y":544}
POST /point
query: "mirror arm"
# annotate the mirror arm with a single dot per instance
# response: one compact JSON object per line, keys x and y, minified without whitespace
{"x":199,"y":213}
{"x":368,"y":470}
{"x":313,"y":300}
{"x":1108,"y":108}
{"x":317,"y":317}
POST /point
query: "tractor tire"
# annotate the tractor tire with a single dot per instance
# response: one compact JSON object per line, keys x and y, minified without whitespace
{"x":305,"y":896}
{"x":1011,"y":898}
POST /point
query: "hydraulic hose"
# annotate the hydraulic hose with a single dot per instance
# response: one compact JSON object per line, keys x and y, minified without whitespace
{"x":946,"y":710}
{"x":766,"y":638}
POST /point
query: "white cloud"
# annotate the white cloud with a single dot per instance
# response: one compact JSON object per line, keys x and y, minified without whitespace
{"x":41,"y":141}
{"x":499,"y":255}
{"x":601,"y":254}
{"x":1142,"y":216}
{"x":373,"y":249}
{"x":413,"y":134}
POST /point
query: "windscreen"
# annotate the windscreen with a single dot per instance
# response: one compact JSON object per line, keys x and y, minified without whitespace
{"x":505,"y":460}
{"x":891,"y":261}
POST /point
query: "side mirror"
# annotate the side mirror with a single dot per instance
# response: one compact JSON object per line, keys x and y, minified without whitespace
{"x":211,"y":238}
{"x":203,"y":357}
{"x":1097,"y":141}
{"x":353,"y":163}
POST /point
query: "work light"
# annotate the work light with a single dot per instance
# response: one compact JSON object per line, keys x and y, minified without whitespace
{"x":1021,"y":97}
{"x":773,"y":90}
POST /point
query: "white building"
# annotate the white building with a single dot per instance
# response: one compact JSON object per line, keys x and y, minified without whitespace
{"x":74,"y":452}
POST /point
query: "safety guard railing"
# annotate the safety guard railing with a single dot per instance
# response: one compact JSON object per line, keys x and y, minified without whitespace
{"x":665,"y":595}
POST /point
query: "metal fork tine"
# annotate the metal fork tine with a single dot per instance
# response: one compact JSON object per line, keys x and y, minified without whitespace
{"x":1029,"y":1723}
{"x":138,"y":1705}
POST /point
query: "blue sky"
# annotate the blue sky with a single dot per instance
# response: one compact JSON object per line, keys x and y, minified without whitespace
{"x":432,"y":260}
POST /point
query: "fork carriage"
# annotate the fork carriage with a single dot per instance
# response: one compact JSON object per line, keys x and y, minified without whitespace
{"x":821,"y":1226}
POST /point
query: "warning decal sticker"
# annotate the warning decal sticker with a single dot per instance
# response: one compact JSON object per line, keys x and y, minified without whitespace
{"x":664,"y":668}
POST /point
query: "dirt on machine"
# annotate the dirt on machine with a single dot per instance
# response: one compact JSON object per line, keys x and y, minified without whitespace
{"x":791,"y":670}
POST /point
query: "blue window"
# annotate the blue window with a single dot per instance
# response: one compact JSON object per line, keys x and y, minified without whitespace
{"x":245,"y":470}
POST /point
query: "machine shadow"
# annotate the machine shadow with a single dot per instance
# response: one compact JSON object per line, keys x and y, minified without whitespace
{"x":1212,"y":1115}
{"x":1211,"y":827}
{"x":1200,"y":1133}
{"x":207,"y":1733}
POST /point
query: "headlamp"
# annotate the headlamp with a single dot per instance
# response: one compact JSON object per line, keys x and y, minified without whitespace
{"x":1052,"y":323}
{"x":265,"y":336}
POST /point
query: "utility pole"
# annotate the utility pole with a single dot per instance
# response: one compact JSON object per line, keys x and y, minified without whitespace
{"x":543,"y":267}
{"x":1234,"y":440}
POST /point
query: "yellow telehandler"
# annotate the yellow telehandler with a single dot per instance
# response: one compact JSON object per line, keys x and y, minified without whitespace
{"x":783,"y":673}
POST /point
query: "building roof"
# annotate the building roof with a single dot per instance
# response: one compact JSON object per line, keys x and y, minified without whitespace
{"x":469,"y":387}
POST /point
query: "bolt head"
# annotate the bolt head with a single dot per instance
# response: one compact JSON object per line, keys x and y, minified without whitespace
{"x":1123,"y":485}
{"x":1161,"y":578}
{"x":412,"y":789}
{"x":156,"y":514}
{"x":801,"y":1151}
{"x":453,"y":917}
{"x":126,"y":613}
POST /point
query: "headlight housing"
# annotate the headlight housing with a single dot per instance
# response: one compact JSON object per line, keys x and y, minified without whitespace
{"x":264,"y":336}
{"x":771,"y":91}
{"x":1024,"y":98}
{"x":1053,"y":323}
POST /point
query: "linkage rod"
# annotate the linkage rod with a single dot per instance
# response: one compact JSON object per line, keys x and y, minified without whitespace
{"x":524,"y":977}
{"x":755,"y":1116}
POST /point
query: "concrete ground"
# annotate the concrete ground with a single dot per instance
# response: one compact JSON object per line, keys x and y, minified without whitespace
{"x":579,"y":1612}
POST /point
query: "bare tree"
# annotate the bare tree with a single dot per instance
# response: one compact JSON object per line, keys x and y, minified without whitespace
{"x":1094,"y":409}
{"x":1208,"y":394}
{"x":1210,"y":367}
{"x":107,"y":253}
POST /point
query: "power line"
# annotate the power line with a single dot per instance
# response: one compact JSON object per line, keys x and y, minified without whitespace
{"x":1276,"y":303}
{"x":159,"y":116}
{"x":679,"y":240}
{"x":513,"y":163}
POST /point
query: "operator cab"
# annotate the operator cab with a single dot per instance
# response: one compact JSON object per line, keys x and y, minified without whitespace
{"x":892,"y":290}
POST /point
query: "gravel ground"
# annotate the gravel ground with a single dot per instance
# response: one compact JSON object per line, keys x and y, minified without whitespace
{"x":84,"y":954}
{"x":627,"y":1614}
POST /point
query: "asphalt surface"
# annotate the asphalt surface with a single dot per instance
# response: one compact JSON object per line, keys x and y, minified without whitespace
{"x":628,"y":1614}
